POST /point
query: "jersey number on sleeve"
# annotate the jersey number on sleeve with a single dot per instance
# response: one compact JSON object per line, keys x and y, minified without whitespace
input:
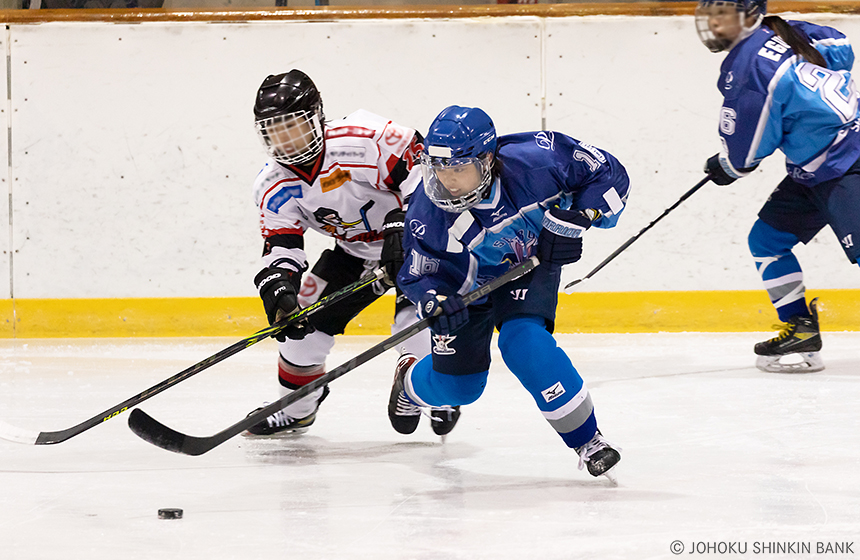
{"x":727,"y":120}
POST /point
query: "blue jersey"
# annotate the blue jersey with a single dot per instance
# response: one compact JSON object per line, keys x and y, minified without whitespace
{"x":774,"y":99}
{"x":455,"y":253}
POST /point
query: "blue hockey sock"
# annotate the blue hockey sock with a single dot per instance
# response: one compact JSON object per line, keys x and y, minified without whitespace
{"x":428,"y":387}
{"x":544,"y":369}
{"x":779,"y":269}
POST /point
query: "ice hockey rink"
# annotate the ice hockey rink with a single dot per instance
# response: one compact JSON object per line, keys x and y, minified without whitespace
{"x":714,"y":454}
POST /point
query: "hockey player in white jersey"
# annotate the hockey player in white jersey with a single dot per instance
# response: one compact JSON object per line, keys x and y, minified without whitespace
{"x":346,"y":179}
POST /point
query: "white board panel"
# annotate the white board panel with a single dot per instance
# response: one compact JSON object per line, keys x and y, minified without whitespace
{"x":645,"y":90}
{"x":135,"y":151}
{"x":5,"y":244}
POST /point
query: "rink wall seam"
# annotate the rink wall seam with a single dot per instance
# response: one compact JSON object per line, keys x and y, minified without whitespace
{"x":593,"y":312}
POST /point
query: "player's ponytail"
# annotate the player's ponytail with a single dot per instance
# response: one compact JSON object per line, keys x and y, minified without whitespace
{"x":798,"y":43}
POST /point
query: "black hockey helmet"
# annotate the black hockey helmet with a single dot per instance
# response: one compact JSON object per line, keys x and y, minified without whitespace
{"x":287,"y":93}
{"x":288,"y":113}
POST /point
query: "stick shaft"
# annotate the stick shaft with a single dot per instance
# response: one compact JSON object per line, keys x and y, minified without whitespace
{"x":162,"y":436}
{"x":18,"y":435}
{"x":630,"y":241}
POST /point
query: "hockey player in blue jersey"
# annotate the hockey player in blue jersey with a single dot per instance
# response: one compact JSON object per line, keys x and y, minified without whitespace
{"x":787,"y":86}
{"x":487,"y":204}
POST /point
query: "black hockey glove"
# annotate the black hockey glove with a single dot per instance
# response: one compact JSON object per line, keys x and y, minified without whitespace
{"x":454,"y":313}
{"x":392,"y":246}
{"x":560,"y":240}
{"x":717,"y":173}
{"x":278,"y":289}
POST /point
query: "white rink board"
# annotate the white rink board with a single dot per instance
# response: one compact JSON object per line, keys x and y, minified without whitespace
{"x":142,"y":167}
{"x":5,"y":246}
{"x":134,"y":148}
{"x":645,"y":90}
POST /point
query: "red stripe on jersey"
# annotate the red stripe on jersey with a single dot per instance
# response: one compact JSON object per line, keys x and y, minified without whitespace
{"x":356,"y":131}
{"x":282,"y":231}
{"x":331,"y":172}
{"x":272,"y":188}
{"x":361,"y":165}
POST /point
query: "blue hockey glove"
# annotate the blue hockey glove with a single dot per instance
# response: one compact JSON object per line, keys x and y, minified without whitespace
{"x":560,"y":240}
{"x":454,"y":313}
{"x":278,"y":289}
{"x":392,"y":245}
{"x":717,"y":173}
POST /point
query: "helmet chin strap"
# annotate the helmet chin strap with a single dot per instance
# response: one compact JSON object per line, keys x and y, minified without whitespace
{"x":745,"y":31}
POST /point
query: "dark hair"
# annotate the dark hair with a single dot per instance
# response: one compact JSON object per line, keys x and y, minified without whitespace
{"x":798,"y":41}
{"x":496,"y":166}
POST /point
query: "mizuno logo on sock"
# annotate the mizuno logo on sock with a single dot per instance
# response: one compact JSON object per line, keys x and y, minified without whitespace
{"x":553,"y":392}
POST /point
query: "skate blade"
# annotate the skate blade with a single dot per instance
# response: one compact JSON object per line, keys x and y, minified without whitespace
{"x":611,"y":476}
{"x":809,"y":362}
{"x":286,"y":434}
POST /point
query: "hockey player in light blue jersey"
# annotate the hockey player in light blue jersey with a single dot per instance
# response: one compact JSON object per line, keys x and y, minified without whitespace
{"x":487,"y":204}
{"x":787,"y":86}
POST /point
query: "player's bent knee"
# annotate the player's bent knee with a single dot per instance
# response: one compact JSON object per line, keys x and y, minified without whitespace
{"x":520,"y":338}
{"x":460,"y":389}
{"x":767,"y":241}
{"x":434,"y":388}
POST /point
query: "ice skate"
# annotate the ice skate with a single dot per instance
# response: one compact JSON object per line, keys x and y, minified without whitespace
{"x":600,"y":457}
{"x":402,"y":412}
{"x":282,"y":424}
{"x":795,"y":349}
{"x":444,"y":419}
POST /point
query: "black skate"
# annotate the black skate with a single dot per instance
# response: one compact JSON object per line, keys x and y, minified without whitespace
{"x":800,"y":338}
{"x":402,"y":412}
{"x":281,"y":424}
{"x":444,"y":419}
{"x":599,"y":456}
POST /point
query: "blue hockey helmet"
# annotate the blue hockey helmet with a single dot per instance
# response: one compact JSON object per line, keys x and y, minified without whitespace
{"x":723,"y":23}
{"x":288,"y":114}
{"x":458,"y":157}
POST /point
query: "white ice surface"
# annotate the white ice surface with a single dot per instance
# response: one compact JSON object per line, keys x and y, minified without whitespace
{"x":713,"y":451}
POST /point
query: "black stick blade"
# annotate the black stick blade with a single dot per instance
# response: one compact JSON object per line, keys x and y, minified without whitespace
{"x":153,"y":431}
{"x":160,"y":435}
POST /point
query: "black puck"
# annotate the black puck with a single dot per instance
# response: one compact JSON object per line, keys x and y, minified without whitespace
{"x":170,"y":513}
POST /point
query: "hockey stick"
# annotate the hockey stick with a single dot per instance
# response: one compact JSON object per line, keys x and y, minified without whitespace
{"x":156,"y":433}
{"x":19,"y":435}
{"x":630,"y":241}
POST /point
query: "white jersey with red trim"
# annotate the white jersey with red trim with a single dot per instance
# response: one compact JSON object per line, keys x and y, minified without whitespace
{"x":369,"y":165}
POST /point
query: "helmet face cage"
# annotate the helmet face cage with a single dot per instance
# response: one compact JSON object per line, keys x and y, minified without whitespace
{"x":457,"y":158}
{"x":458,"y":196}
{"x":292,"y":138}
{"x":742,"y":9}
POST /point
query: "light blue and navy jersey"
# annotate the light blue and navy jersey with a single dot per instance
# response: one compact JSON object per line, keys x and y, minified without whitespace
{"x":774,"y":99}
{"x":455,"y":253}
